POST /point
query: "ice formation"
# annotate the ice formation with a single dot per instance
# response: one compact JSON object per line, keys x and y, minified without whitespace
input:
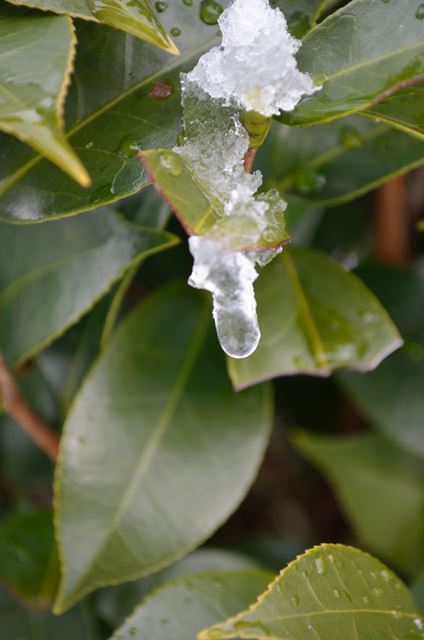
{"x":253,"y":70}
{"x":255,"y":65}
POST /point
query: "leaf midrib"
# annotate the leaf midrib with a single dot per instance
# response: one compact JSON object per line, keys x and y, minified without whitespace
{"x":313,"y":337}
{"x":148,"y":453}
{"x":13,"y":178}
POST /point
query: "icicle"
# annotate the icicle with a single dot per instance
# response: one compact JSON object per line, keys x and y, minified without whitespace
{"x":253,"y":70}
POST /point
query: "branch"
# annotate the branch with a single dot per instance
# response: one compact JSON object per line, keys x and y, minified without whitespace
{"x":404,"y":84}
{"x":17,"y":408}
{"x":249,"y":159}
{"x":392,"y":228}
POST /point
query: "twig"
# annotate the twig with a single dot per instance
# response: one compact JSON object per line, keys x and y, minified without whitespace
{"x":16,"y":406}
{"x":404,"y":84}
{"x":249,"y":159}
{"x":392,"y":233}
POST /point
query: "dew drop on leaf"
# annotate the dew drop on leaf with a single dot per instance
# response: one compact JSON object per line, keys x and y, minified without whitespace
{"x":420,"y":12}
{"x":175,"y":31}
{"x":210,"y":11}
{"x":161,"y":6}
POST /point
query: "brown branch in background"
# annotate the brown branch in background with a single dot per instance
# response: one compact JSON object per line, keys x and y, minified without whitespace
{"x":392,"y":223}
{"x":249,"y":159}
{"x":404,"y":84}
{"x":17,"y":408}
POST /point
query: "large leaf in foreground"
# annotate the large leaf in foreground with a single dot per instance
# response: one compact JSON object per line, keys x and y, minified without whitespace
{"x":188,"y":449}
{"x":340,"y":161}
{"x":403,"y":110}
{"x":116,"y":105}
{"x":391,"y":397}
{"x":36,"y":57}
{"x":329,"y":592}
{"x":356,"y":54}
{"x":133,"y":16}
{"x":115,"y":604}
{"x":183,"y":607}
{"x":314,"y":317}
{"x":381,"y":489}
{"x":28,"y":558}
{"x":51,"y":275}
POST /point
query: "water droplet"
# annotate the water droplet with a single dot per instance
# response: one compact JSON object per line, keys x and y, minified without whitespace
{"x":295,"y":600}
{"x":419,"y":623}
{"x":420,"y":12}
{"x":308,"y":181}
{"x":188,"y":3}
{"x":373,"y":575}
{"x":161,"y":90}
{"x":337,"y":594}
{"x":210,"y":11}
{"x":161,"y":6}
{"x":366,"y":600}
{"x":171,"y":163}
{"x":175,"y":31}
{"x":331,"y":558}
{"x":378,"y":591}
{"x":88,"y":145}
{"x":321,"y":564}
{"x":129,"y":147}
{"x":385,"y":575}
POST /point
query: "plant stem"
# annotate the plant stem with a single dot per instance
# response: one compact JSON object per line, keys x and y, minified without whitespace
{"x":392,"y":232}
{"x":249,"y":159}
{"x":17,"y":408}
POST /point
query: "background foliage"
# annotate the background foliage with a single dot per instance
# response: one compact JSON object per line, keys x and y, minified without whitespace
{"x":162,"y":437}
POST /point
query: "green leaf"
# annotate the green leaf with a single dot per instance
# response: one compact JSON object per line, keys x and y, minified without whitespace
{"x":357,"y":54}
{"x":36,"y":58}
{"x":391,"y":397}
{"x":301,"y":15}
{"x":418,"y":590}
{"x":403,"y":109}
{"x":28,"y":558}
{"x":21,"y":622}
{"x":114,"y":604}
{"x":116,"y":105}
{"x":58,"y":264}
{"x":199,"y":210}
{"x":339,"y":161}
{"x":333,"y":592}
{"x":181,"y":608}
{"x":133,"y":16}
{"x":188,"y":450}
{"x":380,"y":488}
{"x":314,"y":317}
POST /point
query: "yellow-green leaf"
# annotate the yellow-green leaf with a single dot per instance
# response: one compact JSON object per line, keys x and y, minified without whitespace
{"x":36,"y":57}
{"x":332,"y":592}
{"x":133,"y":16}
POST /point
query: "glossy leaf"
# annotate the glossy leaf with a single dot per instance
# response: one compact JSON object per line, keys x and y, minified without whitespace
{"x":181,"y":608}
{"x":197,"y":207}
{"x":403,"y":110}
{"x":315,"y":317}
{"x":112,"y":110}
{"x":380,"y":488}
{"x":133,"y":16}
{"x":357,"y":54}
{"x":21,"y":622}
{"x":337,"y":162}
{"x":188,"y":450}
{"x":32,"y":93}
{"x":116,"y":603}
{"x":28,"y":559}
{"x":301,"y":15}
{"x":391,"y":397}
{"x":68,"y":265}
{"x":333,"y":592}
